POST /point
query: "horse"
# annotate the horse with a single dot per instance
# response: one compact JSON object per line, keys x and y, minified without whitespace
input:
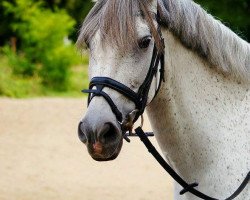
{"x":198,"y":99}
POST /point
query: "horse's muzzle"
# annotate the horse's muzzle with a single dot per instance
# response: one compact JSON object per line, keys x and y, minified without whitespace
{"x":103,"y":140}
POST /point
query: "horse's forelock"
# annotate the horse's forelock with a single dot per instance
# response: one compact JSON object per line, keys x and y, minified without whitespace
{"x":116,"y":21}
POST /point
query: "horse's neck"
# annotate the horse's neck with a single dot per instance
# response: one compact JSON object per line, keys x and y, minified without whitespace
{"x":202,"y":121}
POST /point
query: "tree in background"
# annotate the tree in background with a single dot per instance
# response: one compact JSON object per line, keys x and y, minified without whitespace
{"x":77,"y":9}
{"x":5,"y":20}
{"x":43,"y":50}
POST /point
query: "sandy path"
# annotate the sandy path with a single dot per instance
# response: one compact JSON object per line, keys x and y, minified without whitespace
{"x":41,"y":158}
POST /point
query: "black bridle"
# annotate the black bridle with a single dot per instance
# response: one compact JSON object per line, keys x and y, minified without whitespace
{"x":140,"y":99}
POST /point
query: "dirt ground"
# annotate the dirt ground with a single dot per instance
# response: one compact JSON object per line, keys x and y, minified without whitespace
{"x":41,"y":158}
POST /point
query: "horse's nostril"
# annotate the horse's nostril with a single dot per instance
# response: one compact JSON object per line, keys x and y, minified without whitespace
{"x":109,"y":134}
{"x":81,"y":134}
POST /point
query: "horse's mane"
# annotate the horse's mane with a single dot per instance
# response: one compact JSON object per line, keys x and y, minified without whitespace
{"x":200,"y":32}
{"x":195,"y":28}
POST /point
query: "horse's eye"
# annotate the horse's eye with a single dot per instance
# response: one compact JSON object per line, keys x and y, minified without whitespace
{"x":144,"y":42}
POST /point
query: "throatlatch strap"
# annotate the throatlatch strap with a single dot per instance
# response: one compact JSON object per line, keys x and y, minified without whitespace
{"x":186,"y":187}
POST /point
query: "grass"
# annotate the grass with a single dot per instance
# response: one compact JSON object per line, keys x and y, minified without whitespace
{"x":26,"y":87}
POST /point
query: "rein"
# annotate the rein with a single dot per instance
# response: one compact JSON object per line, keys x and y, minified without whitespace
{"x":96,"y":86}
{"x":186,"y":186}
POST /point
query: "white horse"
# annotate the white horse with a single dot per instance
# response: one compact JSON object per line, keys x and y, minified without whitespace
{"x":201,"y":115}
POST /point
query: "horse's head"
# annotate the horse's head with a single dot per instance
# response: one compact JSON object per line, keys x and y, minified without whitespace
{"x":126,"y":49}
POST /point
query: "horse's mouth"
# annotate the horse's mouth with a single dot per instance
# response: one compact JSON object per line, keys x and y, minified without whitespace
{"x":109,"y":154}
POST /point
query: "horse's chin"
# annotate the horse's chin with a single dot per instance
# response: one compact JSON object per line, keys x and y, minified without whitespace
{"x":106,"y":159}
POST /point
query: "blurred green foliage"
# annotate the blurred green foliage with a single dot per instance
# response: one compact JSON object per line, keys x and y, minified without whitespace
{"x":12,"y":85}
{"x":76,"y":9}
{"x":44,"y":48}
